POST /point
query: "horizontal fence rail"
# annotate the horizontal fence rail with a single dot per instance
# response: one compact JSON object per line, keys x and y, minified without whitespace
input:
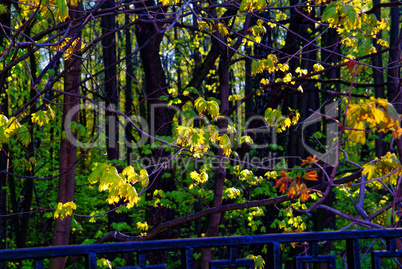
{"x":273,"y":241}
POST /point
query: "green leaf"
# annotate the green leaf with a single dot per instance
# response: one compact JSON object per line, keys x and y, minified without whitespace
{"x":163,"y":98}
{"x":200,"y":105}
{"x":40,"y":118}
{"x":330,"y":11}
{"x":225,"y":144}
{"x":192,"y":90}
{"x":213,"y":108}
{"x":24,"y":136}
{"x":61,"y":11}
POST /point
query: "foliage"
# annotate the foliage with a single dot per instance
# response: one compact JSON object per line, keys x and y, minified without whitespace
{"x":225,"y":106}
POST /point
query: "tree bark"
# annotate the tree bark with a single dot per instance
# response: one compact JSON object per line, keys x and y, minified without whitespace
{"x":214,"y":220}
{"x":378,"y":75}
{"x":4,"y":153}
{"x":159,"y":118}
{"x":129,"y":87}
{"x":68,"y":151}
{"x":108,"y":25}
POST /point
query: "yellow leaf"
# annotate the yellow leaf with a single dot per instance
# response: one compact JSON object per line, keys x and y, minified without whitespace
{"x":369,"y":170}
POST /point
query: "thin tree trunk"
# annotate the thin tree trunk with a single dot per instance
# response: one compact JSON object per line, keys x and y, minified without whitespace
{"x":214,"y":220}
{"x":159,"y":117}
{"x":4,"y":153}
{"x":394,"y":95}
{"x":378,"y":75}
{"x":108,"y":25}
{"x":68,"y":151}
{"x":394,"y":92}
{"x":129,"y":87}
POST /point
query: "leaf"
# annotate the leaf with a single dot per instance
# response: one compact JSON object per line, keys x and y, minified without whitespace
{"x":40,"y":118}
{"x":3,"y":9}
{"x":222,"y":29}
{"x":200,"y":105}
{"x":393,"y":114}
{"x":225,"y":144}
{"x":64,"y":210}
{"x":309,"y":160}
{"x":369,"y":171}
{"x":329,"y":12}
{"x":61,"y":11}
{"x":144,"y":178}
{"x":246,"y":139}
{"x":24,"y":136}
{"x":303,"y":192}
{"x":213,"y":108}
{"x":51,"y":112}
{"x":311,"y":175}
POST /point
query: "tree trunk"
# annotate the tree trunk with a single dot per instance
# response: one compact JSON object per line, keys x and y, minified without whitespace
{"x":129,"y":87}
{"x":4,"y":153}
{"x":159,"y":118}
{"x":380,"y":145}
{"x":108,"y":25}
{"x":214,"y":220}
{"x":68,"y":151}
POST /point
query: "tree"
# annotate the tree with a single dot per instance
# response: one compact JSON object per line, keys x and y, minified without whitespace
{"x":68,"y":151}
{"x":240,"y":118}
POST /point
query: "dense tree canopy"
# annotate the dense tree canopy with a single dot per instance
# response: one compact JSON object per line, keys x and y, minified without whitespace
{"x":178,"y":119}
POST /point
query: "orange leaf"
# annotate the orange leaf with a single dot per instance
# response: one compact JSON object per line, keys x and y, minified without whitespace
{"x":311,"y":175}
{"x":303,"y":192}
{"x":309,"y":160}
{"x":293,"y":190}
{"x":283,"y":182}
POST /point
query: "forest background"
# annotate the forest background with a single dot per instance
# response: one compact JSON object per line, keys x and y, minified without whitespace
{"x":177,"y":119}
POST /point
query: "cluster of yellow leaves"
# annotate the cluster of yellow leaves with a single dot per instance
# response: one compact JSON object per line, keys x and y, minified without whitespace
{"x":198,"y":139}
{"x":301,"y":71}
{"x":76,"y":45}
{"x":347,"y":16}
{"x":340,"y":14}
{"x":295,"y":187}
{"x":143,"y":226}
{"x":43,"y":116}
{"x":11,"y":127}
{"x":119,"y":186}
{"x":269,"y":64}
{"x":231,"y":193}
{"x":387,"y":164}
{"x":64,"y":210}
{"x":258,"y":28}
{"x":205,"y":26}
{"x":275,"y":118}
{"x":193,"y":138}
{"x":198,"y":178}
{"x":203,"y":106}
{"x":251,"y":5}
{"x":59,"y":8}
{"x":374,"y":114}
{"x":169,"y":2}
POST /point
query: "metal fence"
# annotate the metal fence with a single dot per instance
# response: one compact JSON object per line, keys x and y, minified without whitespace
{"x":352,"y":251}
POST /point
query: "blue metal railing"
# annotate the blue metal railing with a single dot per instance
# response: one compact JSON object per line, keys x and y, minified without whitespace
{"x":188,"y":245}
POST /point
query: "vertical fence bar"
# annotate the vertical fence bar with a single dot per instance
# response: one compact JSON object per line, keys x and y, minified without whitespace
{"x":353,"y":253}
{"x":142,"y":259}
{"x":90,"y":261}
{"x":39,"y":264}
{"x":391,"y":245}
{"x":274,"y":254}
{"x":187,"y":259}
{"x":233,"y":253}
